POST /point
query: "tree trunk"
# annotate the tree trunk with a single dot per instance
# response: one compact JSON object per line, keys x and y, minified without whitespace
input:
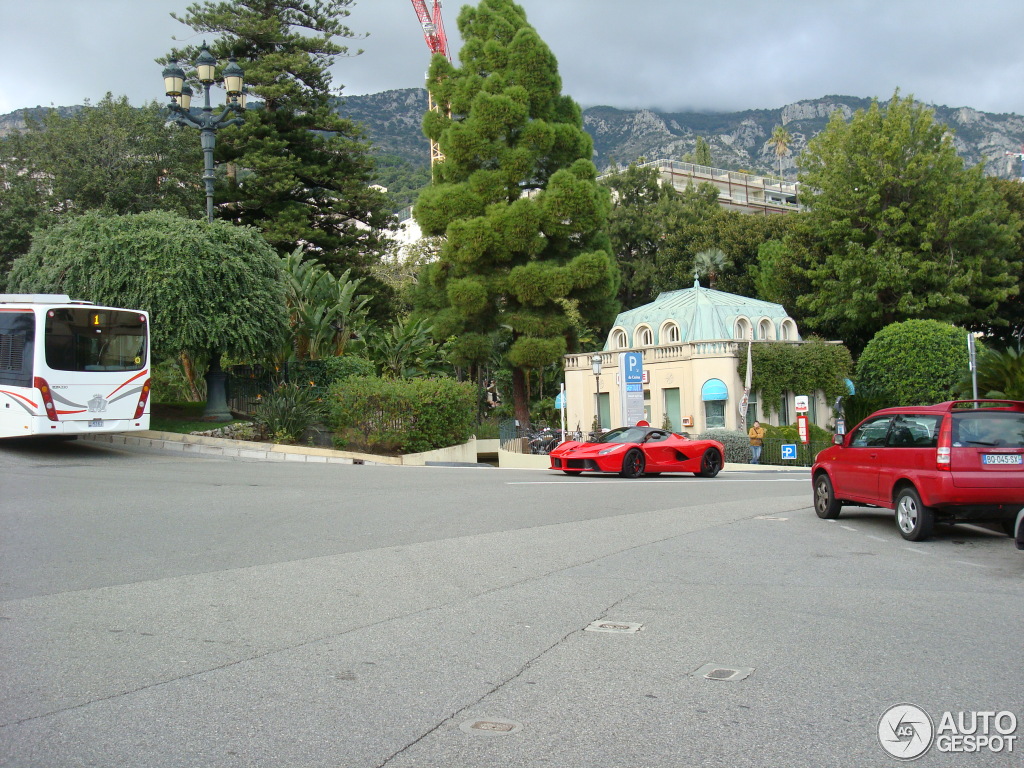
{"x":520,"y":397}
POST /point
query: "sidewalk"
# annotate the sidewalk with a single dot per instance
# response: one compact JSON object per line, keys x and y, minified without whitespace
{"x":175,"y":442}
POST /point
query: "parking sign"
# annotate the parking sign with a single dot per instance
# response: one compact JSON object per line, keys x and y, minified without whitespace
{"x":789,"y":451}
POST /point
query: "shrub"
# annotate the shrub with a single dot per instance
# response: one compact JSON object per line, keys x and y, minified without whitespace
{"x":287,"y":412}
{"x":170,"y":385}
{"x":402,"y":415}
{"x":345,"y":366}
{"x":737,"y":444}
{"x":917,"y":362}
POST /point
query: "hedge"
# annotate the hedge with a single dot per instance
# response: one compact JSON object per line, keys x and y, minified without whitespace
{"x":401,"y":415}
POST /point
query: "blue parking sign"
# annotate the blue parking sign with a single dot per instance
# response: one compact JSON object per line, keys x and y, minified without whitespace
{"x":633,"y":368}
{"x":789,"y":451}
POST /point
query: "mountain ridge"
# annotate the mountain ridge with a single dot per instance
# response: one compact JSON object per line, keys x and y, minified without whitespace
{"x":738,"y":140}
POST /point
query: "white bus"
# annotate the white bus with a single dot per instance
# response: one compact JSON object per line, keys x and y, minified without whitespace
{"x":71,"y":367}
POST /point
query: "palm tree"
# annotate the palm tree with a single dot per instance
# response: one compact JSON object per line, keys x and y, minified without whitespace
{"x":781,"y":139}
{"x":1000,"y":375}
{"x":710,"y":263}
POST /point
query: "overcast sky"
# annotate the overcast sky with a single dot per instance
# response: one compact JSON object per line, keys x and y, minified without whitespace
{"x":674,"y":55}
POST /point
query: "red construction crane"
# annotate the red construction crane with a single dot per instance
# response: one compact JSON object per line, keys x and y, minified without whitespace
{"x":433,"y":33}
{"x":433,"y":27}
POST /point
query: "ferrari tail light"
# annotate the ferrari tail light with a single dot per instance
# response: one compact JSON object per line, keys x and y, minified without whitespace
{"x":945,"y":445}
{"x":44,"y":390}
{"x":143,"y":399}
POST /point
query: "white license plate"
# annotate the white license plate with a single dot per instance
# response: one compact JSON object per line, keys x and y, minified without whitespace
{"x":95,"y":423}
{"x":1000,"y":458}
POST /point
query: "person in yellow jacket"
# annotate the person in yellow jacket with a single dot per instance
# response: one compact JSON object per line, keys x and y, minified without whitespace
{"x":756,"y":435}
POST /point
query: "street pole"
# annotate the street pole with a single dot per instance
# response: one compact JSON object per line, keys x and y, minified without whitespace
{"x":207,"y":124}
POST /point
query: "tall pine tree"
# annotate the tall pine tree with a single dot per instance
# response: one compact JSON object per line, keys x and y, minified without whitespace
{"x":517,"y":199}
{"x":297,"y":170}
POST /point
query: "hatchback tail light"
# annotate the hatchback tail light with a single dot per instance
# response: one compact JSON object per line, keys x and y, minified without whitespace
{"x":44,"y":390}
{"x":945,"y":446}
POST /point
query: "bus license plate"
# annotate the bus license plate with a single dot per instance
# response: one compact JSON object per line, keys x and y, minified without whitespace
{"x":1001,"y":458}
{"x":95,"y":423}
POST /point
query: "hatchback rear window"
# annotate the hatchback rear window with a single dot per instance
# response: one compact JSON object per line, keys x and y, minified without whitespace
{"x":978,"y":428}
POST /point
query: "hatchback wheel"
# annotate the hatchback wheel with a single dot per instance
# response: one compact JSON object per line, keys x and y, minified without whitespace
{"x":632,"y":464}
{"x":825,"y":503}
{"x":916,"y":521}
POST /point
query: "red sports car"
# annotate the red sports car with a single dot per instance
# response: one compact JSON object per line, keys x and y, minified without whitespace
{"x":640,"y":450}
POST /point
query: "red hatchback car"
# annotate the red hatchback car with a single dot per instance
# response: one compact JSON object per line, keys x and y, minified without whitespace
{"x":961,"y":461}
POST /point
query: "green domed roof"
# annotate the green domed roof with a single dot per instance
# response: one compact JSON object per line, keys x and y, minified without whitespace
{"x":702,"y":314}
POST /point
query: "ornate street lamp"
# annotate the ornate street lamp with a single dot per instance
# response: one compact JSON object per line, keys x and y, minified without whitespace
{"x":595,"y":362}
{"x":207,"y":123}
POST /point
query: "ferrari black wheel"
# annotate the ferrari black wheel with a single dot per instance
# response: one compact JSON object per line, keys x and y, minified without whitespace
{"x":710,"y":463}
{"x":632,"y":464}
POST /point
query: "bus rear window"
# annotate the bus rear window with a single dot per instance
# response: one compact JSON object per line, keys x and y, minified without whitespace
{"x":91,"y":339}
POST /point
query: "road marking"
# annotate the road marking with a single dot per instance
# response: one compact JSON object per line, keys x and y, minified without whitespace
{"x":877,"y":538}
{"x":965,"y":562}
{"x":848,"y":528}
{"x":917,"y":551}
{"x":661,"y":481}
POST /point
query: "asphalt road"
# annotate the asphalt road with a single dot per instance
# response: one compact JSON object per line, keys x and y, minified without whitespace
{"x":159,"y":610}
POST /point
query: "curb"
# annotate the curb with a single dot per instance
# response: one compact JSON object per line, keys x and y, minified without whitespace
{"x":174,"y":442}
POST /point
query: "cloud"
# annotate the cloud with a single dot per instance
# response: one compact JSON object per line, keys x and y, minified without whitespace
{"x":731,"y":55}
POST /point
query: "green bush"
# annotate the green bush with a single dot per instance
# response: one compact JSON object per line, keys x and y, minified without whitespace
{"x":737,"y":444}
{"x":170,"y":385}
{"x":917,"y":362}
{"x":286,"y":413}
{"x":402,"y":415}
{"x":346,"y":366}
{"x":791,"y":433}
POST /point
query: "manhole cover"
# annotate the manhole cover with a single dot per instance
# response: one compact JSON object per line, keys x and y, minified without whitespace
{"x":491,"y":725}
{"x":722,"y":672}
{"x":622,"y":627}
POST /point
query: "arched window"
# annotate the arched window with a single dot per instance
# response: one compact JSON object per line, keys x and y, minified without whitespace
{"x":787,"y":331}
{"x":764,"y":329}
{"x":644,"y":336}
{"x":619,"y":339}
{"x":742,"y":329}
{"x":670,"y":333}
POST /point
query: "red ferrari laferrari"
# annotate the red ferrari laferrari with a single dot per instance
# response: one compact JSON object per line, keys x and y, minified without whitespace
{"x":640,"y":450}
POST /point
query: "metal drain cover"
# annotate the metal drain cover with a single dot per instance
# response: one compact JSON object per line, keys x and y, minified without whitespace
{"x":622,"y":627}
{"x":491,"y":725}
{"x":722,"y":672}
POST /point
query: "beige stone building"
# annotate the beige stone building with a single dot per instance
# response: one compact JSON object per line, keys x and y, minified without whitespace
{"x":691,"y":342}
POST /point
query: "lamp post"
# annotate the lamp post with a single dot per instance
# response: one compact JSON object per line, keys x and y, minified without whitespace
{"x":207,"y":123}
{"x":595,"y":363}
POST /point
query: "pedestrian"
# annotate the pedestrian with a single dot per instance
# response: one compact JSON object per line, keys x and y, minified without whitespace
{"x":756,"y":435}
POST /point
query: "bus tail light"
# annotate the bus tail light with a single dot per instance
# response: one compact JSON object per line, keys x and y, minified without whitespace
{"x":143,"y":399}
{"x":944,"y":450}
{"x":44,"y":390}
